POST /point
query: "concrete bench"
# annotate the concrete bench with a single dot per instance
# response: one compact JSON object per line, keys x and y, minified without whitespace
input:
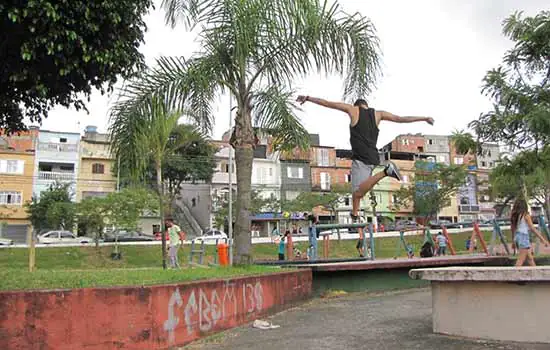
{"x":498,"y":303}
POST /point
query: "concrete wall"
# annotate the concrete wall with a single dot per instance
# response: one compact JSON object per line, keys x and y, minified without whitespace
{"x":155,"y":317}
{"x":492,"y":310}
{"x":198,"y":198}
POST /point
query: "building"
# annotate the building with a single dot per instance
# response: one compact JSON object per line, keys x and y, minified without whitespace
{"x":57,"y":159}
{"x":408,"y":143}
{"x":96,"y":177}
{"x":438,"y":146}
{"x":295,"y":174}
{"x":17,"y":158}
{"x":486,"y":161}
{"x":220,"y":178}
{"x":266,"y":172}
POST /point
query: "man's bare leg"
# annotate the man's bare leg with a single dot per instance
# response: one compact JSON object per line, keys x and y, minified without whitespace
{"x":390,"y":170}
{"x":364,"y":188}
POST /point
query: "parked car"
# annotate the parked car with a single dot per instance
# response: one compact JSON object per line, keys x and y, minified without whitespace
{"x":158,"y":236}
{"x":407,"y":225}
{"x":62,"y":237}
{"x":211,"y":235}
{"x":435,"y":224}
{"x":128,"y":236}
{"x":6,"y":241}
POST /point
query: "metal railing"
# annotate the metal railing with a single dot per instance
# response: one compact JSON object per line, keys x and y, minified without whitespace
{"x":57,"y":147}
{"x":56,"y":176}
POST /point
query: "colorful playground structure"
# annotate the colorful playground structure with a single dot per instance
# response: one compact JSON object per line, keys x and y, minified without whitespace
{"x":367,"y":245}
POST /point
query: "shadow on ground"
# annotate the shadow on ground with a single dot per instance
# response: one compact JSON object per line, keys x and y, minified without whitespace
{"x":386,"y":321}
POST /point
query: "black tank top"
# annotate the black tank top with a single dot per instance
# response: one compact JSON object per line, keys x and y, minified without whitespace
{"x":364,"y":136}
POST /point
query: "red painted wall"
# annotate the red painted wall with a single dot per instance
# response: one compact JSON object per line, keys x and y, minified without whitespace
{"x":154,"y":317}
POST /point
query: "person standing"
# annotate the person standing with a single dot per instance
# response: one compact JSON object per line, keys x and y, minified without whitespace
{"x":521,"y":224}
{"x":176,"y":235}
{"x":364,"y":130}
{"x":441,"y":244}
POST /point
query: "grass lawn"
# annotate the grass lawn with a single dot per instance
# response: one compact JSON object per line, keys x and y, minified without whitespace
{"x":13,"y":279}
{"x":76,"y":267}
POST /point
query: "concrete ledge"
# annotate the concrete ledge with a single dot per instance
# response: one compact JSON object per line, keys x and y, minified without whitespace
{"x":497,"y":303}
{"x":483,"y":274}
{"x":152,"y":317}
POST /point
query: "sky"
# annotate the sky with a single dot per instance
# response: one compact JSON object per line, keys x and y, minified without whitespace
{"x":434,"y":56}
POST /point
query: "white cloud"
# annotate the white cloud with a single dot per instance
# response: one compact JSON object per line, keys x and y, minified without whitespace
{"x":434,"y":56}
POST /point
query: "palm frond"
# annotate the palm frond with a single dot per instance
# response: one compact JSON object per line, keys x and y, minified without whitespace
{"x":274,"y":113}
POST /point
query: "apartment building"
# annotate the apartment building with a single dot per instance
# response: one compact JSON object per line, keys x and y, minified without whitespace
{"x":57,"y":159}
{"x":96,"y":177}
{"x":438,"y":147}
{"x":17,"y":156}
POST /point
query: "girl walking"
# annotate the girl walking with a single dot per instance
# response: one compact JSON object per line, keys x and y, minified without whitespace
{"x":521,"y":224}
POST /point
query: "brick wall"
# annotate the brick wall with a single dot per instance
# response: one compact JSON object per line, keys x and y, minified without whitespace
{"x":155,"y":317}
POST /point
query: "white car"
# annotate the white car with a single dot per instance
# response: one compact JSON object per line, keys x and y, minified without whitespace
{"x":62,"y":237}
{"x":211,"y":235}
{"x":6,"y":241}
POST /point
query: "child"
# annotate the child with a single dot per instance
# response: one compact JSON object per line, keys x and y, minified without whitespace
{"x":282,"y":246}
{"x":521,"y":223}
{"x":442,"y":244}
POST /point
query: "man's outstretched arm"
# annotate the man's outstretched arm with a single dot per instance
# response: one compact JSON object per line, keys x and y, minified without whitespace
{"x":344,"y":107}
{"x":397,"y":119}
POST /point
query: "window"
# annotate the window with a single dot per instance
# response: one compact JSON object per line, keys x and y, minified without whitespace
{"x":66,"y":168}
{"x":12,"y":166}
{"x":459,"y":160}
{"x":483,"y":164}
{"x":491,"y":164}
{"x":442,"y":159}
{"x":347,"y":201}
{"x":10,"y":198}
{"x":322,"y":157}
{"x":394,"y":198}
{"x":325,"y":181}
{"x":405,"y":142}
{"x":98,"y":168}
{"x":430,"y":142}
{"x":405,"y":178}
{"x":347,"y":178}
{"x":67,"y":235}
{"x":63,"y":140}
{"x":294,"y":172}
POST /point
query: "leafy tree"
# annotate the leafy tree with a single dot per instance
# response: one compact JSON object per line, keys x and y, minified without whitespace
{"x":258,"y":204}
{"x":191,"y":160}
{"x":253,"y":50}
{"x":54,"y":210}
{"x":91,"y":213}
{"x":520,"y":86}
{"x":147,"y":133}
{"x":526,"y":174}
{"x":306,"y":201}
{"x":123,"y":209}
{"x":55,"y":52}
{"x":433,"y":186}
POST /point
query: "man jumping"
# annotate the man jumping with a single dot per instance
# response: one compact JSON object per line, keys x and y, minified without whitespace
{"x":364,"y":131}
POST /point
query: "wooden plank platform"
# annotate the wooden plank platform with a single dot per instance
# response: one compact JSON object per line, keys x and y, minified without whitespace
{"x":385,"y":264}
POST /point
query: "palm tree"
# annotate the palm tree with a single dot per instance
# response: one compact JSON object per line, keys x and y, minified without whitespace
{"x":143,"y":135}
{"x":253,"y":50}
{"x":465,"y":143}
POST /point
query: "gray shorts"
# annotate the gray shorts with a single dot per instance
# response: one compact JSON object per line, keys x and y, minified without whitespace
{"x":360,"y":172}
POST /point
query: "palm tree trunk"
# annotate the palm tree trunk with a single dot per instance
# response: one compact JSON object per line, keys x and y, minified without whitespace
{"x":160,"y":189}
{"x":243,"y":157}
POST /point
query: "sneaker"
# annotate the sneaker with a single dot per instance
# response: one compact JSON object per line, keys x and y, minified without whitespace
{"x":391,"y":170}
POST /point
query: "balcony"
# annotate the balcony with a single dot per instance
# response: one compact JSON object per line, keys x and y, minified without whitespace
{"x":57,"y":147}
{"x":468,"y":208}
{"x":487,"y":206}
{"x":56,"y":176}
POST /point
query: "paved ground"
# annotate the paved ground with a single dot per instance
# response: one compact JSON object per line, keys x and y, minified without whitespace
{"x":388,"y":321}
